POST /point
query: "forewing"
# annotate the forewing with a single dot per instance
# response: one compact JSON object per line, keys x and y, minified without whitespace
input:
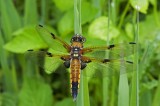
{"x":53,"y":41}
{"x":114,"y":51}
{"x":107,"y":67}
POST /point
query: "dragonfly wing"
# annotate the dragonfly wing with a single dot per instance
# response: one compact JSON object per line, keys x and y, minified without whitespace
{"x":45,"y":60}
{"x":115,"y":51}
{"x":106,"y":67}
{"x":53,"y":41}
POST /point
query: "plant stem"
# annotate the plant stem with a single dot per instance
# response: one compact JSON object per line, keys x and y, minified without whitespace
{"x":156,"y":14}
{"x":77,"y":17}
{"x":123,"y":15}
{"x":83,"y":96}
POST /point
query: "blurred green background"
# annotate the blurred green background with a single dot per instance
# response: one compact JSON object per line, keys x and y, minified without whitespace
{"x":24,"y":84}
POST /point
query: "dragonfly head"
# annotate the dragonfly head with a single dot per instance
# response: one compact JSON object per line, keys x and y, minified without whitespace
{"x":78,"y":38}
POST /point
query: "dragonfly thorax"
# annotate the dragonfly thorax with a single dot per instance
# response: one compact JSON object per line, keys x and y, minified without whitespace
{"x":75,"y":52}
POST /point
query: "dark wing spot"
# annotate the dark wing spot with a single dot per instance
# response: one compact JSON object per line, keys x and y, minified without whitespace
{"x":106,"y":60}
{"x":132,"y":43}
{"x":88,"y":61}
{"x":42,"y":49}
{"x":49,"y":54}
{"x":30,"y":50}
{"x":129,"y":62}
{"x":63,"y":58}
{"x":40,"y":25}
{"x":111,"y":46}
{"x":53,"y":36}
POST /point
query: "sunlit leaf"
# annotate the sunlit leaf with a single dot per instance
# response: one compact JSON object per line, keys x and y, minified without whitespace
{"x":129,"y":30}
{"x":63,"y":5}
{"x":99,"y":29}
{"x":25,"y":39}
{"x":140,"y":5}
{"x":153,"y":2}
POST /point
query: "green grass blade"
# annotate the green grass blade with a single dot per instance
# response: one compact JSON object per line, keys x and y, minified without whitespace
{"x":83,"y":98}
{"x":123,"y":94}
{"x":77,"y":17}
{"x":31,"y":15}
{"x":10,"y":19}
{"x":10,"y":22}
{"x":157,"y":95}
{"x":44,"y":12}
{"x":106,"y":80}
{"x":105,"y":90}
{"x":133,"y":97}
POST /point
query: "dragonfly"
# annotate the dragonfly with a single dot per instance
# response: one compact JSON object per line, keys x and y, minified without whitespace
{"x":89,"y":61}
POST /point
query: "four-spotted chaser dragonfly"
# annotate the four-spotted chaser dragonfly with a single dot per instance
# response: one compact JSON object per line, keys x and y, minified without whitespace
{"x":91,"y":60}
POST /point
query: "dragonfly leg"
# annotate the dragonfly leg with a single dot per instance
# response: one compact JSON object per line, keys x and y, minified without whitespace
{"x":83,"y":65}
{"x":67,"y":63}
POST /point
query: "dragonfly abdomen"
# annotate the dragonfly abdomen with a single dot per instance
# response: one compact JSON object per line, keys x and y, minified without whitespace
{"x":75,"y":77}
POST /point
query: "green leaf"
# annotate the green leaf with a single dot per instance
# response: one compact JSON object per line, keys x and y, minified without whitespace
{"x":48,"y":65}
{"x":129,"y":30}
{"x":66,"y":24}
{"x":63,"y":5}
{"x":25,"y":39}
{"x":35,"y":93}
{"x":150,"y":85}
{"x":89,"y":12}
{"x":65,"y":102}
{"x":140,"y":5}
{"x":99,"y":29}
{"x":150,"y":31}
{"x":153,"y":2}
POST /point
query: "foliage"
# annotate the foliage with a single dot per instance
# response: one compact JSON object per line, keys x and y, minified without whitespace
{"x":23,"y":83}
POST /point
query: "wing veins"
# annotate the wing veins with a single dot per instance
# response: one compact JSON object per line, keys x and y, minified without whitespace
{"x":105,"y":67}
{"x":115,"y":51}
{"x":41,"y":29}
{"x":109,"y":47}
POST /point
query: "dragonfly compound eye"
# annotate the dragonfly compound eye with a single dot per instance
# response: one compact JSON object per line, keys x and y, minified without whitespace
{"x":78,"y":38}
